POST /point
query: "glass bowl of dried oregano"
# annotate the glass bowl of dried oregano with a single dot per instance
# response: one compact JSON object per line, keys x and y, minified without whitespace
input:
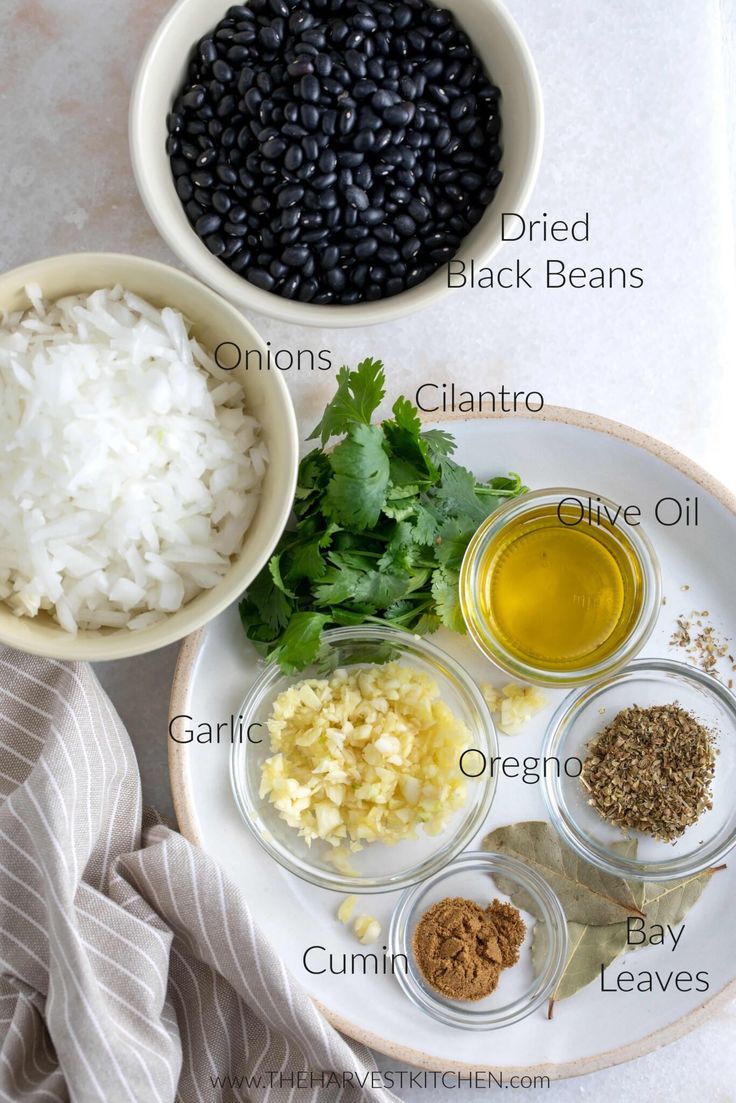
{"x":647,"y":771}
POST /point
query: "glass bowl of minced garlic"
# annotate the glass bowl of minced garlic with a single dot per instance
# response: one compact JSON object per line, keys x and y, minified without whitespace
{"x":650,"y":796}
{"x":368,"y":770}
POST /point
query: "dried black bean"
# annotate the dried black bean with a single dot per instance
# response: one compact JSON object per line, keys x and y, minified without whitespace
{"x":372,"y":217}
{"x":269,"y":38}
{"x":295,"y":255}
{"x":293,"y":158}
{"x":336,"y":278}
{"x":261,"y":278}
{"x":309,"y":116}
{"x":216,"y":244}
{"x":309,"y":89}
{"x":290,"y":195}
{"x":273,"y":148}
{"x":366,"y":248}
{"x":307,"y":291}
{"x":302,"y":67}
{"x":323,"y":180}
{"x":194,"y":98}
{"x":364,"y":140}
{"x":355,"y":62}
{"x":350,"y":158}
{"x":323,"y":65}
{"x":328,"y":160}
{"x":201,"y":178}
{"x":346,"y":121}
{"x":330,"y":257}
{"x":235,"y":229}
{"x":311,"y":148}
{"x":291,"y":286}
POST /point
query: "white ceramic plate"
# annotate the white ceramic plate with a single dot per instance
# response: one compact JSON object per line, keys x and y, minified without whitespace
{"x":593,"y":1029}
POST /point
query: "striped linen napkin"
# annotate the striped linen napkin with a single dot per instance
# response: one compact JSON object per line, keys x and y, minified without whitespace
{"x":130,"y":968}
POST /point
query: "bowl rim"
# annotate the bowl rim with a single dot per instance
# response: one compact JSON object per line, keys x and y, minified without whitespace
{"x":122,"y":643}
{"x":463,"y":1017}
{"x":192,"y":252}
{"x":494,"y":649}
{"x":601,"y":856}
{"x":487,"y":736}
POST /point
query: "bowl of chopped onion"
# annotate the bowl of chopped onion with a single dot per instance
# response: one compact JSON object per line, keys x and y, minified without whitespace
{"x":369,"y":770}
{"x":145,"y":476}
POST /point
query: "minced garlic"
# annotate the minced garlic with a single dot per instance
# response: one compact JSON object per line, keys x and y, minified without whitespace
{"x":367,"y":755}
{"x":514,"y":706}
{"x":367,"y":929}
{"x":346,"y":909}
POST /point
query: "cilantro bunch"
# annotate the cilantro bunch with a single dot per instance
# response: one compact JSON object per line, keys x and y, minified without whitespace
{"x":382,"y":522}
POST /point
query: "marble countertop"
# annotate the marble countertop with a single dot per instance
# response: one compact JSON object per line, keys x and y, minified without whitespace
{"x":637,"y":135}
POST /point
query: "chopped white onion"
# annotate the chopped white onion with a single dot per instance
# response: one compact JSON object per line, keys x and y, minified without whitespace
{"x":129,"y":468}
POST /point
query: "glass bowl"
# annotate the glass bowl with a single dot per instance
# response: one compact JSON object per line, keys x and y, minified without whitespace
{"x":643,"y":586}
{"x":521,"y":990}
{"x":583,"y":714}
{"x":377,"y":867}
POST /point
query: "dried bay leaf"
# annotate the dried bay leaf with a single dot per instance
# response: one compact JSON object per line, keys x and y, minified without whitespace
{"x":592,"y":948}
{"x":628,"y":848}
{"x":588,"y":950}
{"x":668,"y":902}
{"x":587,"y":894}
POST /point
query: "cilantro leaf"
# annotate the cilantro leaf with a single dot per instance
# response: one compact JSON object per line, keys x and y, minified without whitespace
{"x":359,"y":394}
{"x":446,"y":598}
{"x":400,"y":502}
{"x":439,"y":443}
{"x":456,"y":495}
{"x":410,"y":459}
{"x":425,"y":525}
{"x":379,"y":589}
{"x":452,"y":540}
{"x":357,"y":490}
{"x":266,"y":604}
{"x":427,"y":624}
{"x":305,"y":560}
{"x":274,"y":568}
{"x":300,"y":643}
{"x":399,"y":550}
{"x":337,"y":585}
{"x":346,"y":618}
{"x":314,"y":475}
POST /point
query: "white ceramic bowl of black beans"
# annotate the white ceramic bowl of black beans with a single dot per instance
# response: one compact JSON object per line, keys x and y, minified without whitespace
{"x":321,"y":161}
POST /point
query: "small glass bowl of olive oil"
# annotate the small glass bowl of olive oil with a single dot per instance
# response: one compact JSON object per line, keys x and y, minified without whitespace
{"x":556,"y":588}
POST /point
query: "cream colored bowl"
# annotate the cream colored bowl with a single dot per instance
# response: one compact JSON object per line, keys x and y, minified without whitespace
{"x":213,"y":321}
{"x":499,"y":43}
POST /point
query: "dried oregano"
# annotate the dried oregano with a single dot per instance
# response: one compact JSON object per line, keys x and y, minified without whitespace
{"x":650,"y":770}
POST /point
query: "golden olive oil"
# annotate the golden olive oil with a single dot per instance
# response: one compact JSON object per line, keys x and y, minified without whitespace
{"x":556,"y":594}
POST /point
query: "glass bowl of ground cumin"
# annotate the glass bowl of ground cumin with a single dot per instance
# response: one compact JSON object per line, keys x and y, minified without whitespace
{"x":475,"y":960}
{"x":656,"y":747}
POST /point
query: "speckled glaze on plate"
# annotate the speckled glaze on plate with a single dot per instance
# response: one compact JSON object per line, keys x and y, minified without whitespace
{"x":593,"y":1030}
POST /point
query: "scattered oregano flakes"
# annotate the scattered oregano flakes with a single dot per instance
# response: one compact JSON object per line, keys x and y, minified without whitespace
{"x":704,"y":646}
{"x":650,"y":770}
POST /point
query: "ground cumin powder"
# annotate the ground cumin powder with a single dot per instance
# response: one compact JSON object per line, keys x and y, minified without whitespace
{"x":461,"y":948}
